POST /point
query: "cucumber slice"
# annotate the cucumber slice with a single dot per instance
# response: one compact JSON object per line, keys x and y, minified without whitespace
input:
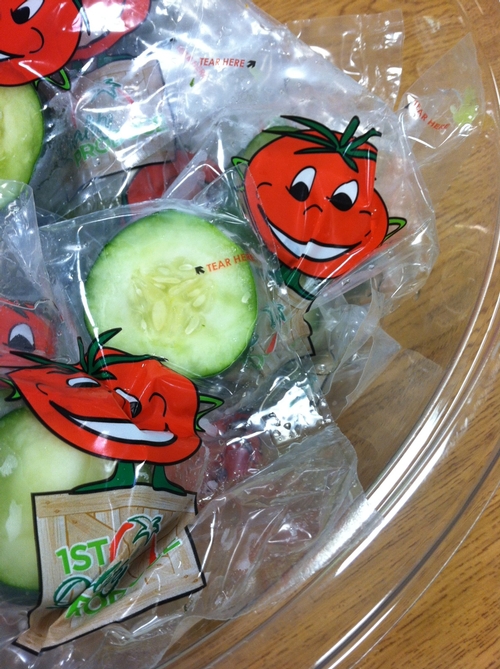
{"x":21,"y":132}
{"x":179,"y":288}
{"x":32,"y":459}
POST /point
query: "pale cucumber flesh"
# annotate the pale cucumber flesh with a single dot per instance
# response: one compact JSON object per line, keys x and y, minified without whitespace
{"x":21,"y":132}
{"x":178,"y":288}
{"x":33,"y":460}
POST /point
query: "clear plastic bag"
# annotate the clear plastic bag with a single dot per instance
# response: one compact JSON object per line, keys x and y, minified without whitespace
{"x":367,"y":47}
{"x":441,"y":112}
{"x":118,"y":533}
{"x":32,"y":309}
{"x":401,"y":244}
{"x":168,"y":112}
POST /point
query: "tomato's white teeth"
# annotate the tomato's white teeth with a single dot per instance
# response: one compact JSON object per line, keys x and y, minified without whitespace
{"x":125,"y":431}
{"x":5,"y":55}
{"x":310,"y":250}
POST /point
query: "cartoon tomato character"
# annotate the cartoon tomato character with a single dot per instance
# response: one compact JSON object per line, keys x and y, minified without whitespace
{"x":25,"y":329}
{"x":311,"y":195}
{"x":118,"y":406}
{"x":37,"y":38}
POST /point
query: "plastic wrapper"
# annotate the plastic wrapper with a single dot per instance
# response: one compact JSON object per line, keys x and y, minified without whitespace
{"x":32,"y":309}
{"x":128,"y":449}
{"x":402,"y":263}
{"x":367,"y":47}
{"x":186,"y":488}
{"x":441,"y":112}
{"x":331,"y":242}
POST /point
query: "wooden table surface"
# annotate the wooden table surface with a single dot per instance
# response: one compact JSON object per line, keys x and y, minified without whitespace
{"x":455,"y":622}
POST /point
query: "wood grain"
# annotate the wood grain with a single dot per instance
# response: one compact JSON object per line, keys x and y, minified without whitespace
{"x":456,"y":621}
{"x":448,"y":374}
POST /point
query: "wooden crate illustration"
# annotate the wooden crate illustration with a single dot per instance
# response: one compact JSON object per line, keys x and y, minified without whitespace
{"x":105,"y":556}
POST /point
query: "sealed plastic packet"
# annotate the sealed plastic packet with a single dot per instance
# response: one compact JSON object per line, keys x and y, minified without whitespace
{"x":139,"y":423}
{"x":92,"y":107}
{"x":113,"y":121}
{"x":228,"y":418}
{"x":32,"y":309}
{"x":278,"y":96}
{"x":124,"y":108}
{"x":333,"y":230}
{"x":441,"y":112}
{"x":367,"y":47}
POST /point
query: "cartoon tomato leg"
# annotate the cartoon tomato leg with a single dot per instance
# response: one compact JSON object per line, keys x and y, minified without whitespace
{"x":161,"y":482}
{"x":123,"y":477}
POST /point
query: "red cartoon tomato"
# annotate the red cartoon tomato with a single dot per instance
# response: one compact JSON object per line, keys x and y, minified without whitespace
{"x":113,"y":405}
{"x":23,"y":329}
{"x":311,"y":195}
{"x":108,"y":21}
{"x":37,"y":38}
{"x":152,"y":181}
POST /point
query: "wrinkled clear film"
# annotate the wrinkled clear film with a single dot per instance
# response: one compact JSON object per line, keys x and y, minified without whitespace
{"x":367,"y":47}
{"x":32,"y":308}
{"x":126,"y":117}
{"x":144,"y":521}
{"x":442,"y":112}
{"x":266,"y":491}
{"x":333,"y":280}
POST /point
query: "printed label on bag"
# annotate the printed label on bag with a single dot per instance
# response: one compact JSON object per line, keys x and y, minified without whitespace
{"x":121,"y":120}
{"x":106,"y":554}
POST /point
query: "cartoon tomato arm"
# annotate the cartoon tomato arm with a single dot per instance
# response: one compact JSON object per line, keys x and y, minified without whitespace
{"x":395,"y":225}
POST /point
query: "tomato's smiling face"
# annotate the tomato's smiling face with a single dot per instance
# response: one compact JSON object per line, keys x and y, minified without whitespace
{"x":318,"y":211}
{"x":23,"y":329}
{"x":143,"y":413}
{"x":37,"y":38}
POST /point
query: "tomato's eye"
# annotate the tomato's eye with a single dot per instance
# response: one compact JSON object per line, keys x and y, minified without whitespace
{"x":26,"y":11}
{"x":82,"y":382}
{"x":134,"y":403}
{"x":21,"y":338}
{"x":345,"y":196}
{"x":302,"y":184}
